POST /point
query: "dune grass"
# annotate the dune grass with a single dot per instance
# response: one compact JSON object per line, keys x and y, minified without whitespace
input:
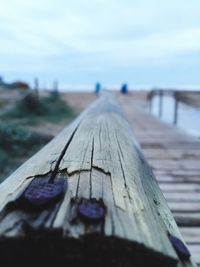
{"x":17,"y":142}
{"x":32,"y":109}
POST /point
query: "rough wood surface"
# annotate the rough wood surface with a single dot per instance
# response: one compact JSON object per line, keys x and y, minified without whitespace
{"x":101,"y":160}
{"x":174,"y":156}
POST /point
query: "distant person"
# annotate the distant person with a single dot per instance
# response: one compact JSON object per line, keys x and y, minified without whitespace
{"x":97,"y":88}
{"x":124,"y":88}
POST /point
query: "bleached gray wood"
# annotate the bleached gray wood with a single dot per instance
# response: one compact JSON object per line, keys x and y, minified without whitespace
{"x":101,"y":159}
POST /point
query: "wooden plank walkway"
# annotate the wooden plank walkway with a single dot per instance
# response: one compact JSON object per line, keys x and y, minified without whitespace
{"x":175,"y":158}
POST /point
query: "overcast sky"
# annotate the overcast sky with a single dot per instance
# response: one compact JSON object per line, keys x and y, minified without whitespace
{"x":143,"y":42}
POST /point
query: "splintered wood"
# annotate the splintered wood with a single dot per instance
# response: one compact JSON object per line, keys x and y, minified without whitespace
{"x":112,"y":211}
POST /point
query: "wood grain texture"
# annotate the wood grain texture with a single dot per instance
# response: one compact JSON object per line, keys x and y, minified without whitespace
{"x":101,"y":159}
{"x":174,"y":156}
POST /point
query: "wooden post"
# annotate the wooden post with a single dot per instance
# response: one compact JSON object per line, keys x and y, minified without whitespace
{"x":36,"y":87}
{"x":36,"y":84}
{"x":55,"y":86}
{"x":149,"y":99}
{"x":89,"y":198}
{"x":55,"y":92}
{"x":150,"y":105}
{"x":176,"y":104}
{"x":160,"y":103}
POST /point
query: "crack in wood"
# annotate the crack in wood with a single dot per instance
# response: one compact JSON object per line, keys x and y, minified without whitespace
{"x":92,"y":153}
{"x":56,"y":168}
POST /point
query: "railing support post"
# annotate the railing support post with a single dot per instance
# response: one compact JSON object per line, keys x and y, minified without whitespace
{"x":160,"y":103}
{"x":176,"y":102}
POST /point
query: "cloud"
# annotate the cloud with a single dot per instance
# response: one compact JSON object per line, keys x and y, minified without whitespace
{"x":97,"y":37}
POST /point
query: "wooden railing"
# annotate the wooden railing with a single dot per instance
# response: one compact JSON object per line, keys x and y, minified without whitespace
{"x":191,"y":98}
{"x":89,"y":198}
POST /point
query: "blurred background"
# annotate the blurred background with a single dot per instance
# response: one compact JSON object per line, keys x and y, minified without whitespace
{"x":145,"y":43}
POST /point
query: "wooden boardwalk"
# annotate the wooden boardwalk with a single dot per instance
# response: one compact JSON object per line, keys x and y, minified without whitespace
{"x":175,"y":158}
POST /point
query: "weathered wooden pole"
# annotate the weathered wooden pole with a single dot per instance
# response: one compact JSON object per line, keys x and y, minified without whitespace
{"x":160,"y":103}
{"x":36,"y":87}
{"x":150,"y":105}
{"x":36,"y":84}
{"x":150,"y":99}
{"x":89,"y":198}
{"x":176,"y":104}
{"x":55,"y":85}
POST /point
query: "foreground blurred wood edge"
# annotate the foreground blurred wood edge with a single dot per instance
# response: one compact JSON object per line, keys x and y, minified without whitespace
{"x":101,"y":159}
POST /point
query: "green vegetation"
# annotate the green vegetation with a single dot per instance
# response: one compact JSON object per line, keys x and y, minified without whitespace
{"x":15,"y":143}
{"x":18,"y":143}
{"x":17,"y":139}
{"x":32,"y":109}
